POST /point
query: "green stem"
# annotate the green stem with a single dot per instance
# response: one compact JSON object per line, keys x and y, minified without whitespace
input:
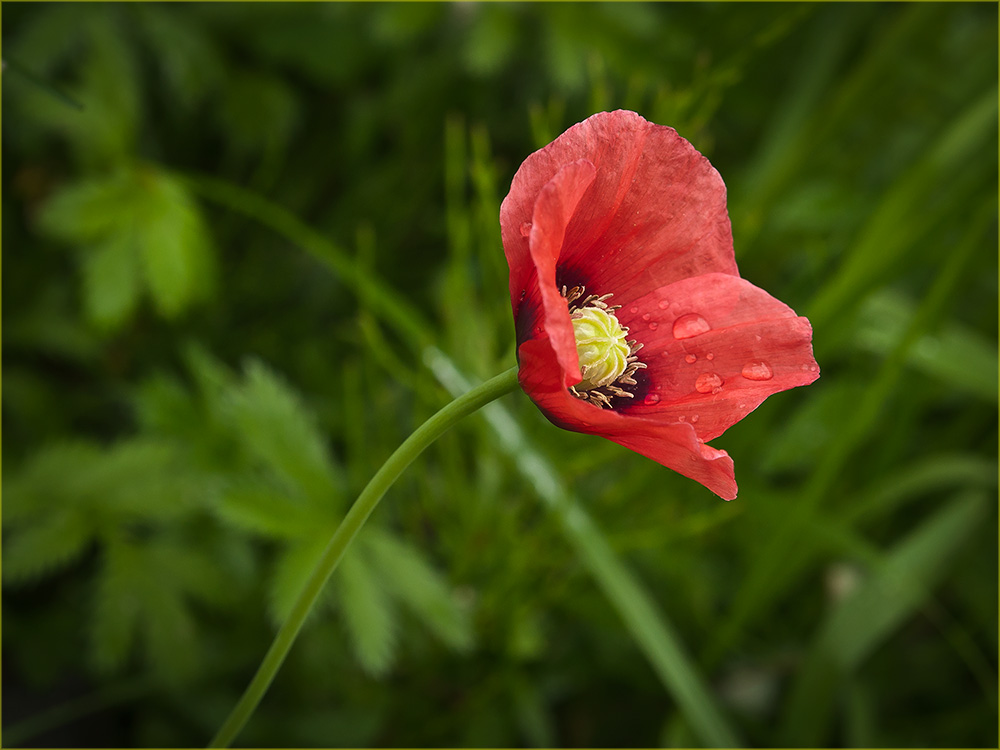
{"x":412,"y":447}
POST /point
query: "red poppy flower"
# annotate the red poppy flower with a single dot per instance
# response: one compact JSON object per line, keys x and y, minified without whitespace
{"x":632,"y":321}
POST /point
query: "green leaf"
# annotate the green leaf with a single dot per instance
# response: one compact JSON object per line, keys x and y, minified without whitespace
{"x":87,"y":211}
{"x":405,"y":572}
{"x":50,"y":543}
{"x":37,"y":487}
{"x":111,"y":281}
{"x":368,"y":613}
{"x":173,"y":240}
{"x":116,"y":607}
{"x":261,"y":508}
{"x":273,"y":425}
{"x":891,"y":595}
{"x":172,"y":647}
{"x":142,"y":588}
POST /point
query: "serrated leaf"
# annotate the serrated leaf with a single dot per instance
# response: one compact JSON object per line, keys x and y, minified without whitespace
{"x":50,"y":543}
{"x":28,"y":492}
{"x":164,"y":406}
{"x":214,"y":380}
{"x":112,"y":285}
{"x":174,"y":243}
{"x":276,"y":429}
{"x":87,"y":211}
{"x":257,"y":507}
{"x":191,"y":570}
{"x":116,"y":608}
{"x":412,"y":580}
{"x":107,"y":128}
{"x":171,"y":642}
{"x":141,"y":589}
{"x":142,"y":478}
{"x":368,"y":613}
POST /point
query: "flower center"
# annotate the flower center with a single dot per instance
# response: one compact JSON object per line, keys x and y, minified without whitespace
{"x":601,"y":347}
{"x":607,"y":359}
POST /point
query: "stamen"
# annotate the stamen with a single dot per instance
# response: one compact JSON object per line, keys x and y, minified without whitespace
{"x":606,"y":347}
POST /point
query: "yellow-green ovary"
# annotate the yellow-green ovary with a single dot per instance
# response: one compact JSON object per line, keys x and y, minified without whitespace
{"x":601,"y":347}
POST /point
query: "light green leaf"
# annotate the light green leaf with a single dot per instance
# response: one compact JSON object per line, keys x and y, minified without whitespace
{"x":111,"y":280}
{"x":368,"y":613}
{"x":171,"y":643}
{"x":261,"y":508}
{"x":34,"y":489}
{"x":87,"y":211}
{"x":116,"y":607}
{"x":50,"y":543}
{"x":174,"y":243}
{"x":405,"y":572}
{"x":273,"y":425}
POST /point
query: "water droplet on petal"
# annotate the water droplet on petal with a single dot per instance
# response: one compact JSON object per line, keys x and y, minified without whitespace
{"x":682,"y":418}
{"x":526,"y":229}
{"x":646,"y":316}
{"x":690,"y":325}
{"x":690,"y":358}
{"x":633,"y":309}
{"x":651,"y":398}
{"x":710,"y":356}
{"x":707,"y":382}
{"x":654,"y":325}
{"x":664,"y":304}
{"x":757,"y":370}
{"x":694,"y":418}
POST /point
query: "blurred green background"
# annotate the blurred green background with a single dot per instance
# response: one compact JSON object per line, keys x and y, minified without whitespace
{"x":232,"y":235}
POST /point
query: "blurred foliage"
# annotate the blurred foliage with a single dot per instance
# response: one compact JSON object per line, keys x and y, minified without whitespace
{"x":195,"y":388}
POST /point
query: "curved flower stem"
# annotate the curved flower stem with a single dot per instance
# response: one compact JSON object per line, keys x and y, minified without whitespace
{"x":412,"y":447}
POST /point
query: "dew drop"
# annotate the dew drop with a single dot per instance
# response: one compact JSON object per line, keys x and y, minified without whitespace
{"x":690,"y":359}
{"x":664,"y":304}
{"x":651,"y":398}
{"x":633,"y":309}
{"x":690,"y":325}
{"x":710,"y":356}
{"x":708,"y":382}
{"x":757,"y":370}
{"x":694,"y":418}
{"x":646,"y":316}
{"x":682,"y":418}
{"x":654,"y":325}
{"x":526,"y":229}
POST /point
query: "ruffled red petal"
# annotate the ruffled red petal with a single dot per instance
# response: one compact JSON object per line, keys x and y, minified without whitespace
{"x":675,"y":445}
{"x":715,"y":347}
{"x":655,"y":213}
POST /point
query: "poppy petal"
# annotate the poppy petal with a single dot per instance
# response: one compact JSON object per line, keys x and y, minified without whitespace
{"x":555,"y":205}
{"x":715,"y":347}
{"x":655,"y":214}
{"x":674,"y":445}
